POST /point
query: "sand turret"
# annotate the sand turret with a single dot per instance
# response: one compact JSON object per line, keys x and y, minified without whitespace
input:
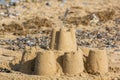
{"x":45,"y":63}
{"x":73,"y":63}
{"x":64,"y":39}
{"x":97,"y":61}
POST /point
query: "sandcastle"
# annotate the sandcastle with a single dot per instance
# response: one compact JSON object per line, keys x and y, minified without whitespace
{"x":63,"y":39}
{"x":45,"y":63}
{"x":70,"y":59}
{"x":73,"y":63}
{"x":97,"y":61}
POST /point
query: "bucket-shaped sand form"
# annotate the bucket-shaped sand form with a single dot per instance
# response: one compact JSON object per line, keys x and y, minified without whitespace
{"x":45,"y":64}
{"x":64,"y":39}
{"x":67,"y":40}
{"x":97,"y":61}
{"x":73,"y":63}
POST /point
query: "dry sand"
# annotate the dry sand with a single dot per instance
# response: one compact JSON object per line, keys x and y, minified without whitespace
{"x":36,"y":17}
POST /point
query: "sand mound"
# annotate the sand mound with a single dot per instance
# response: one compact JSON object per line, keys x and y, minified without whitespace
{"x":28,"y":60}
{"x":102,"y":16}
{"x":30,"y":26}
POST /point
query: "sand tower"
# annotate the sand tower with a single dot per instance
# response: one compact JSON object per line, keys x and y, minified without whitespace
{"x":45,"y":63}
{"x":97,"y":61}
{"x":73,"y":63}
{"x":64,"y":39}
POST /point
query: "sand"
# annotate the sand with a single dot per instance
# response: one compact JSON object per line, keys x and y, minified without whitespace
{"x":63,"y":59}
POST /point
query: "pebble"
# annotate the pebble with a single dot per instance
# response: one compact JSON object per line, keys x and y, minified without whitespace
{"x":117,"y":20}
{"x":5,"y":70}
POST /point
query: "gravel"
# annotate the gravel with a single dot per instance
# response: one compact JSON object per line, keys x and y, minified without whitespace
{"x":108,"y":38}
{"x":98,"y":39}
